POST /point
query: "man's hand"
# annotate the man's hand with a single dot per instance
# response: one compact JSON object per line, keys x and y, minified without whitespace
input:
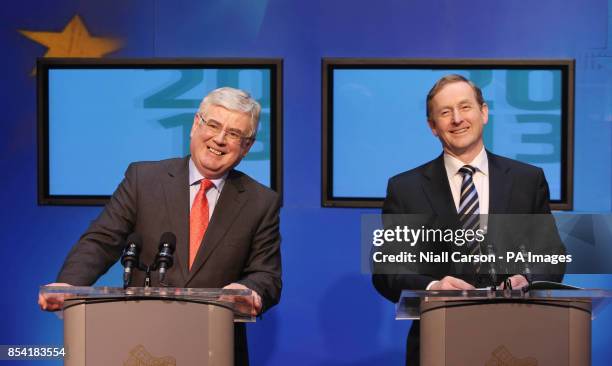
{"x":451,"y":283}
{"x":51,"y":302}
{"x":252,"y":303}
{"x":517,"y":282}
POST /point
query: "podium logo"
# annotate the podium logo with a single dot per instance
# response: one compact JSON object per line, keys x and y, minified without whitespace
{"x":502,"y":357}
{"x":139,"y":356}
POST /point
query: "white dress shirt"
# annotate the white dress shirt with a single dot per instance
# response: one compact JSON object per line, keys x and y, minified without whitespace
{"x":481,"y":178}
{"x":212,"y":195}
{"x":481,"y":182}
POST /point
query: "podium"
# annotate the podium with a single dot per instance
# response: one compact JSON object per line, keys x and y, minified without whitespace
{"x":495,"y":328}
{"x":150,"y":326}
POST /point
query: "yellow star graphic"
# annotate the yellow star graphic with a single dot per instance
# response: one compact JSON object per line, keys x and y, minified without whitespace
{"x":73,"y":41}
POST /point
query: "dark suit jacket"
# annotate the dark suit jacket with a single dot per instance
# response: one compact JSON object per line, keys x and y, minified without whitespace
{"x":514,"y":188}
{"x":241,"y":244}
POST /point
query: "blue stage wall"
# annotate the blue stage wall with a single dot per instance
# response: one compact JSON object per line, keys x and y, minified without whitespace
{"x":329,"y":313}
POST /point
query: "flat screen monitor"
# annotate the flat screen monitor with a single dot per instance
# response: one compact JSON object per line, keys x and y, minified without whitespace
{"x":95,"y":117}
{"x":375,"y":125}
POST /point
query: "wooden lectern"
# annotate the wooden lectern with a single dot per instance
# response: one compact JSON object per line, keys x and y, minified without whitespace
{"x":150,"y":326}
{"x":499,"y":328}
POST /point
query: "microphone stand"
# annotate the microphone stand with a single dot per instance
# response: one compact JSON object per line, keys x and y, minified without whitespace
{"x":492,"y":271}
{"x":148,"y":270}
{"x":526,"y":269}
{"x":147,"y":281}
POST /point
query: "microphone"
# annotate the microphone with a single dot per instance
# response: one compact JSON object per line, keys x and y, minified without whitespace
{"x":165,"y":257}
{"x":526,"y":268}
{"x":490,"y":251}
{"x":492,"y":271}
{"x":130,"y":257}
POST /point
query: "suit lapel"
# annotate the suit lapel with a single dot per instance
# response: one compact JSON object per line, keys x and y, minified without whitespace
{"x":500,"y":185}
{"x":227,"y":209}
{"x":176,"y":190}
{"x":437,"y":188}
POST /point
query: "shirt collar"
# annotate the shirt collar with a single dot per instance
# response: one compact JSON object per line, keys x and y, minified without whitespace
{"x":195,"y":176}
{"x":480,"y":162}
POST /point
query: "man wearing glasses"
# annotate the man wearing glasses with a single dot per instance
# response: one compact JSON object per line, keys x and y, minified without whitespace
{"x":226,"y":224}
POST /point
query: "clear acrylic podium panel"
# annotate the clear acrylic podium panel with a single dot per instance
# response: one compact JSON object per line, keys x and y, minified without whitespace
{"x":239,"y":301}
{"x":409,"y":305}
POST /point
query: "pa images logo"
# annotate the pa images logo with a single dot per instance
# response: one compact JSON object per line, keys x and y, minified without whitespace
{"x":140,"y":357}
{"x":502,"y":357}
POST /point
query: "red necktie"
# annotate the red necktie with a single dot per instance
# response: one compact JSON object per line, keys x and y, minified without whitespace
{"x":198,"y":220}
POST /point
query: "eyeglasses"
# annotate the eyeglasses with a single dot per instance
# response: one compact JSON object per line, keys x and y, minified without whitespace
{"x":215,"y":128}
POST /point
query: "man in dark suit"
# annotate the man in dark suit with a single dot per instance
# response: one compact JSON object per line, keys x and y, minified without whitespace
{"x":456,"y":114}
{"x":226,"y":224}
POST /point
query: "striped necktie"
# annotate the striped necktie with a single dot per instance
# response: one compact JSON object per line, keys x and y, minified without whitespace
{"x":469,"y":208}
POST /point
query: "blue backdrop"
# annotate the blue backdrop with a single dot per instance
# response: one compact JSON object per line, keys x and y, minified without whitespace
{"x":329,"y":314}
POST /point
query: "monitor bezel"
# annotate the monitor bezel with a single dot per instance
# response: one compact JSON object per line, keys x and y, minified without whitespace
{"x":329,"y":65}
{"x":43,"y":65}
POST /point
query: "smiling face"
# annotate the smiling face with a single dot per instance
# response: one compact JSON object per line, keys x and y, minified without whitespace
{"x":458,"y":120}
{"x":214,"y":154}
